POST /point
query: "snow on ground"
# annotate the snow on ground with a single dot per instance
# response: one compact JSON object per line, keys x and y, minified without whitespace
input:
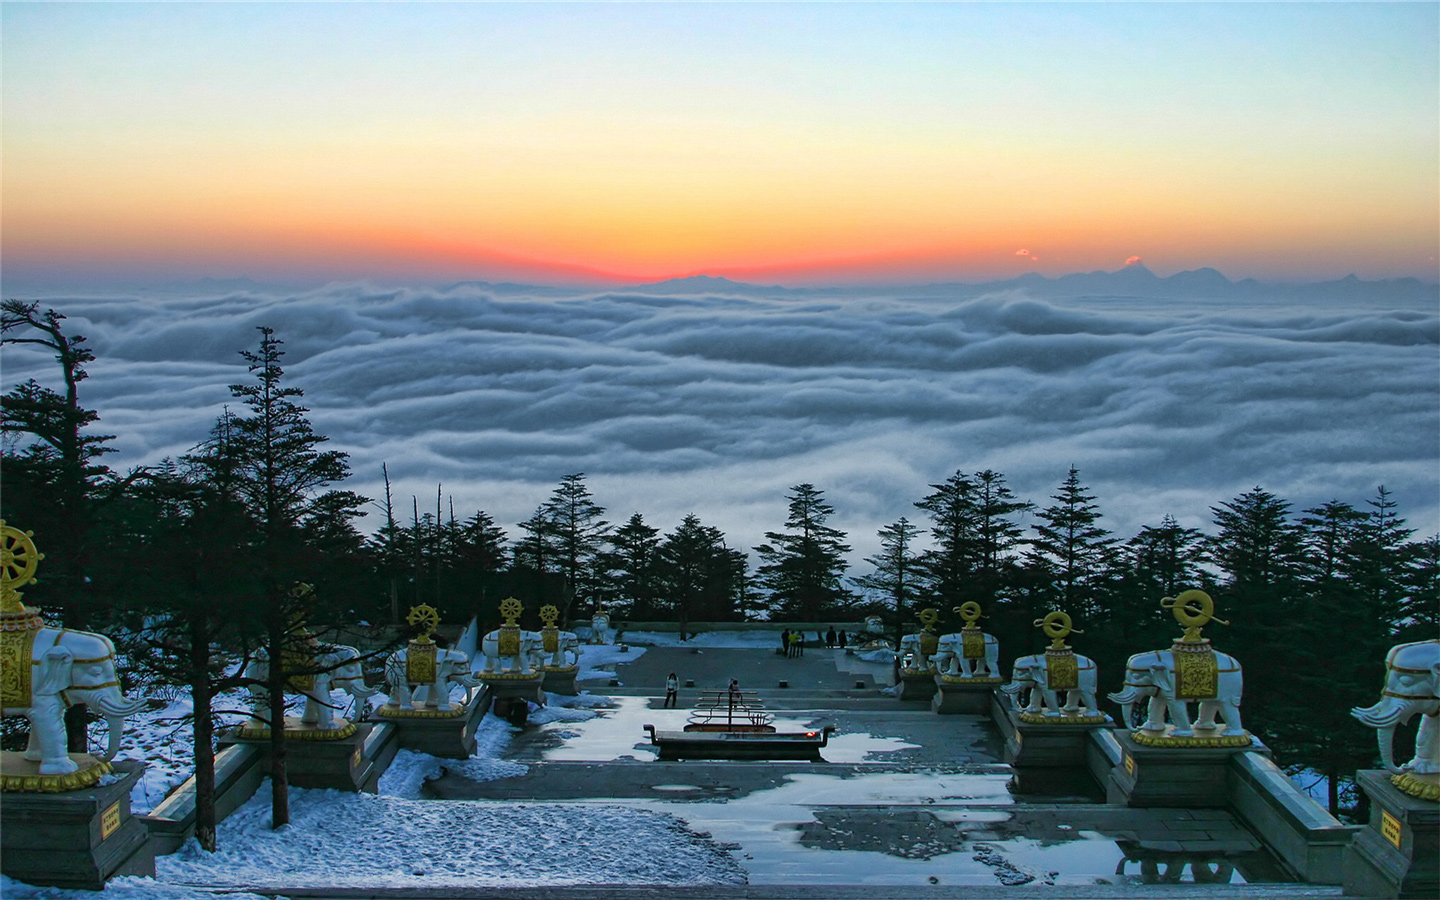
{"x":740,"y":640}
{"x":164,"y":739}
{"x":598,"y":661}
{"x":340,"y":839}
{"x":127,"y":888}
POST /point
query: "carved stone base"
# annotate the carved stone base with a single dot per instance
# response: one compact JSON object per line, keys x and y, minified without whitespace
{"x":527,"y":686}
{"x":449,"y":736}
{"x":1398,"y":854}
{"x":1047,"y":757}
{"x":971,"y":696}
{"x":353,"y":763}
{"x":561,"y":680}
{"x":1172,"y":776}
{"x":76,"y":839}
{"x":916,"y":684}
{"x":296,"y":730}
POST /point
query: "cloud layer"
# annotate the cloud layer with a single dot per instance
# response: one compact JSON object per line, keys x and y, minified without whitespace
{"x":717,"y":404}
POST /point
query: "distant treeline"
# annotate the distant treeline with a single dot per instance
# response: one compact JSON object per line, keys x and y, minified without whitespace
{"x":211,"y":545}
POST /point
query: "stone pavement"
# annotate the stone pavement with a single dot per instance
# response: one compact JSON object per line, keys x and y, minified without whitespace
{"x":827,"y":829}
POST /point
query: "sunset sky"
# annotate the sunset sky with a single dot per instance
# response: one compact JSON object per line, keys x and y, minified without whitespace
{"x":805,"y":143}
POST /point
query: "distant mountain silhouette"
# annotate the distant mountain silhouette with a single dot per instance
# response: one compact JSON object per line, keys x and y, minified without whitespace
{"x":713,"y":284}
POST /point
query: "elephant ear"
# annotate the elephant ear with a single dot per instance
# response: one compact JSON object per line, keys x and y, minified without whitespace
{"x":54,"y":674}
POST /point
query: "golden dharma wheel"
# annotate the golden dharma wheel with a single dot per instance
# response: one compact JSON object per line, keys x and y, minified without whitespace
{"x":18,"y":557}
{"x":548,"y":615}
{"x":928,"y":618}
{"x":510,"y":608}
{"x":424,"y":618}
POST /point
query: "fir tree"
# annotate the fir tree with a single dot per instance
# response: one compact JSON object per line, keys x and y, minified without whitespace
{"x":949,"y":568}
{"x":632,"y":563}
{"x":281,"y":475}
{"x":897,"y":570}
{"x":1071,"y":550}
{"x":803,"y":566}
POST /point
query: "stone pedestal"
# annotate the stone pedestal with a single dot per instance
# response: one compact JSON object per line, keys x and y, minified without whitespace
{"x":1398,"y":854}
{"x":448,"y":734}
{"x":1191,"y":777}
{"x":560,"y":679}
{"x":519,"y":685}
{"x":1048,"y":754}
{"x":916,"y":684}
{"x":76,"y":839}
{"x":971,"y":696}
{"x":351,"y":763}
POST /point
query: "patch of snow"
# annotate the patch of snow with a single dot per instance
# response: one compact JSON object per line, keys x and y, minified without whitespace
{"x":594,"y":658}
{"x":125,"y":888}
{"x":416,"y":843}
{"x":744,"y":640}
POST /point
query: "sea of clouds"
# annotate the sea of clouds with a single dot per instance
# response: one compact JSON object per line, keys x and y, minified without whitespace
{"x":717,"y":404}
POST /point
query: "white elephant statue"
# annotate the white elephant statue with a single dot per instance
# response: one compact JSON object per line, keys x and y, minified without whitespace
{"x":65,"y":668}
{"x":951,"y":659}
{"x":530,"y":658}
{"x":600,"y":624}
{"x":914,"y":645}
{"x":451,"y":667}
{"x":339,"y":668}
{"x":1151,"y":676}
{"x":1032,"y":672}
{"x":1412,"y":676}
{"x":567,"y":645}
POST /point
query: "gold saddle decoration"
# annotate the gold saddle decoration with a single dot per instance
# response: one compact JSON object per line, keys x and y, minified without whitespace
{"x":16,"y":648}
{"x":420,"y":662}
{"x":1062,"y":669}
{"x":972,"y":643}
{"x":929,"y":643}
{"x":1197,"y":674}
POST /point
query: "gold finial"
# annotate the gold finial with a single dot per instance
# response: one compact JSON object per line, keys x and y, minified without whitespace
{"x":510,"y":608}
{"x":928,"y":618}
{"x":1193,"y":609}
{"x":425,"y":619}
{"x":970,"y":612}
{"x":1057,"y":627}
{"x":548,"y":615}
{"x":18,"y":561}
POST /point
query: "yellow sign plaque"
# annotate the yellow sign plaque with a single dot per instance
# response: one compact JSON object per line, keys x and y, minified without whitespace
{"x":1129,"y":764}
{"x":1390,"y":828}
{"x":356,"y":758}
{"x":110,"y":820}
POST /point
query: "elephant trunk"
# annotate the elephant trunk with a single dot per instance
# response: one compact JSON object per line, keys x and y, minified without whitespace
{"x":1013,"y":687}
{"x":1385,"y":737}
{"x":117,"y":731}
{"x":115,"y":705}
{"x":1126,"y":695}
{"x":1387,"y":713}
{"x":360,"y":691}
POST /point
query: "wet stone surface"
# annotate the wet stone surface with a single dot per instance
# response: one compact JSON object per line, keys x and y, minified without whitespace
{"x":905,"y":796}
{"x":912,"y":834}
